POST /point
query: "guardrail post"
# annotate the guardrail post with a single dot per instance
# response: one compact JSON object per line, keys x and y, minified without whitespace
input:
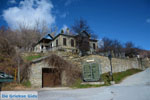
{"x":0,"y":86}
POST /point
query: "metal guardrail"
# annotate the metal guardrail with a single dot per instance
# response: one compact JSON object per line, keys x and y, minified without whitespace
{"x":5,"y":78}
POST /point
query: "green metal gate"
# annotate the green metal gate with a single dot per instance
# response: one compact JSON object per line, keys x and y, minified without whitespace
{"x":91,"y":71}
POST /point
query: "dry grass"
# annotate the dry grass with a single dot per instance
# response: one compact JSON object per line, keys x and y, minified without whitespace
{"x":13,"y":86}
{"x":72,"y":71}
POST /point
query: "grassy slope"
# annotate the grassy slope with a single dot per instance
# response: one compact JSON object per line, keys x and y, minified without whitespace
{"x":32,"y":56}
{"x":118,"y":77}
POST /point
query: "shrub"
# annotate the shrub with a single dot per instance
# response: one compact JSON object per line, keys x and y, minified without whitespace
{"x":27,"y":83}
{"x":73,"y":72}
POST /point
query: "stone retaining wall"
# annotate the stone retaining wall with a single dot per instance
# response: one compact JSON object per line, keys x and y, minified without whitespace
{"x":117,"y":64}
{"x":36,"y":73}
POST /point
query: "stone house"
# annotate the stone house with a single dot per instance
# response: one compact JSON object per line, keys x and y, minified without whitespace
{"x":64,"y":42}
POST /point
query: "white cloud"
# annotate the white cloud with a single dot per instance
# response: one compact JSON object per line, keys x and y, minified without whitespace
{"x":29,"y":12}
{"x":64,"y":27}
{"x":148,"y":20}
{"x":12,"y":1}
{"x":101,"y":43}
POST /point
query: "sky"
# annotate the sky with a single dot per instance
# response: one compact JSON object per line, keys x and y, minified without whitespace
{"x":124,"y":20}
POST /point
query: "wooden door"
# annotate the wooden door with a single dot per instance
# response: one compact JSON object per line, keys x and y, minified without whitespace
{"x":50,"y":77}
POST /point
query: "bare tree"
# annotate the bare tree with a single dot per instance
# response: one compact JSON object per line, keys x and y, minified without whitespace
{"x":83,"y":31}
{"x":82,"y":41}
{"x":72,"y":71}
{"x":7,"y":53}
{"x":81,"y":25}
{"x":109,"y":45}
{"x":129,"y":45}
{"x":117,"y":48}
{"x":94,"y":36}
{"x":26,"y":37}
{"x":29,"y":37}
{"x":10,"y":58}
{"x":53,"y":31}
{"x":131,"y":50}
{"x":148,"y":55}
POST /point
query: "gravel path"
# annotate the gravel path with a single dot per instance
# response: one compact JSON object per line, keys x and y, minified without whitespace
{"x":135,"y":87}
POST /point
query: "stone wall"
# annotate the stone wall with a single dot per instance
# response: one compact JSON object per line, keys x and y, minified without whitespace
{"x":118,"y":65}
{"x":36,"y":73}
{"x":144,"y":63}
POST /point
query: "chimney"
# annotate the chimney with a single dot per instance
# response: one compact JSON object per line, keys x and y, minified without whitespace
{"x":62,"y":31}
{"x":67,"y":31}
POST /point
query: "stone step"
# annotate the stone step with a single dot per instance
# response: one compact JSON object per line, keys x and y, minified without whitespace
{"x":93,"y":83}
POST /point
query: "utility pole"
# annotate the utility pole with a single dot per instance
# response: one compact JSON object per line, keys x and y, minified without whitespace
{"x":111,"y":70}
{"x":0,"y":86}
{"x":18,"y":62}
{"x":18,"y":71}
{"x":110,"y":59}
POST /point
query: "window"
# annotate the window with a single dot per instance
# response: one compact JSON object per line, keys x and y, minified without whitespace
{"x":93,"y":45}
{"x":47,"y":47}
{"x":72,"y":42}
{"x":56,"y":43}
{"x":51,"y":45}
{"x":42,"y":47}
{"x":64,"y":41}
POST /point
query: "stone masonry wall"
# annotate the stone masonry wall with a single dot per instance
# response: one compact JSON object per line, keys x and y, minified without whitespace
{"x":36,"y":73}
{"x":117,"y":64}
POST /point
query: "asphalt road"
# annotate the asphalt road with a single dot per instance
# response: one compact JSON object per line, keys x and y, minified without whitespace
{"x":135,"y":87}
